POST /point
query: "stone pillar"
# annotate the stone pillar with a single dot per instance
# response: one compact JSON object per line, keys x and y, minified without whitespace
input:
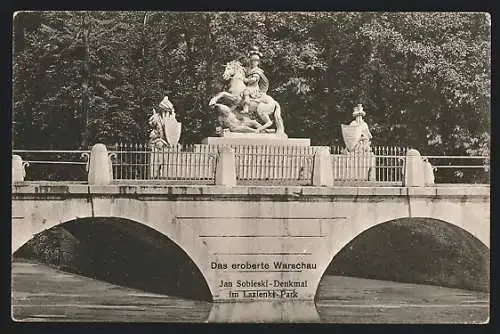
{"x":225,"y":170}
{"x":265,"y":311}
{"x":428,"y":173}
{"x":323,"y":169}
{"x":110,"y":157}
{"x":18,"y":172}
{"x":371,"y":171}
{"x":414,"y":169}
{"x":99,"y":166}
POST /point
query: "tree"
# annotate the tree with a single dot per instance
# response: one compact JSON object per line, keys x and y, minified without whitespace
{"x":423,"y":78}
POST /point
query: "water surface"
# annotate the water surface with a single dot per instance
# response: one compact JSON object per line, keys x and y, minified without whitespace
{"x":42,"y":293}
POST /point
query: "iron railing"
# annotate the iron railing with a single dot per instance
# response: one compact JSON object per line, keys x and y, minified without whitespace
{"x":144,"y":162}
{"x":274,"y":163}
{"x":259,"y":164}
{"x":55,"y":165}
{"x":460,"y":169}
{"x":382,"y":164}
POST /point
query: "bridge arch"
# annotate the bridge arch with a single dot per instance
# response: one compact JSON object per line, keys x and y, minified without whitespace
{"x":207,"y":222}
{"x":351,"y":235}
{"x":183,"y":238}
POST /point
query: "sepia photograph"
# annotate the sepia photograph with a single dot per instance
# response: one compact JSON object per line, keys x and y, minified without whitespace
{"x":251,"y":167}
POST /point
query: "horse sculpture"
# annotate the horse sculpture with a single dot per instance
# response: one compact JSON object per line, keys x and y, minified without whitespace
{"x":233,"y":118}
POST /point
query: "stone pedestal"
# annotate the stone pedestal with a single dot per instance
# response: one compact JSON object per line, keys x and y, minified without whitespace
{"x":252,"y":158}
{"x":254,"y":139}
{"x":18,"y":172}
{"x":225,"y":171}
{"x":418,"y":171}
{"x":274,"y":310}
{"x":322,"y":172}
{"x":428,"y":173}
{"x":414,"y":169}
{"x":265,"y":156}
{"x":100,"y":170}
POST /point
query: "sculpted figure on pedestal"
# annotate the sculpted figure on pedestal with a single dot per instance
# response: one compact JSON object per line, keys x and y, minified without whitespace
{"x":356,"y":135}
{"x":166,"y":130}
{"x":246,"y":94}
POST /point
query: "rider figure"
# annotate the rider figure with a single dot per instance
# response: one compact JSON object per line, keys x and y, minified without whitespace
{"x":256,"y":81}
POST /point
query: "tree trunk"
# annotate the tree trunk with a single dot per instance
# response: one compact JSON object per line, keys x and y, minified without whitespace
{"x":85,"y":81}
{"x":145,"y":21}
{"x":189,"y":40}
{"x":210,"y":57}
{"x":18,"y":29}
{"x":143,"y":63}
{"x":367,"y":77}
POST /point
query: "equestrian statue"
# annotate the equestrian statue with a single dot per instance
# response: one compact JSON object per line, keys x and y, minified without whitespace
{"x":246,"y":95}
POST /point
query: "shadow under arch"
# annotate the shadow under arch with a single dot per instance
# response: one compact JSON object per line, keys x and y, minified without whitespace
{"x":414,"y":250}
{"x":119,"y":251}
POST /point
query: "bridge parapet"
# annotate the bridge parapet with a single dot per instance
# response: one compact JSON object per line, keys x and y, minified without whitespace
{"x":124,"y":188}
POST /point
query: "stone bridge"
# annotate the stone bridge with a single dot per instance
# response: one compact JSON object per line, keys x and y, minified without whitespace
{"x":251,"y":243}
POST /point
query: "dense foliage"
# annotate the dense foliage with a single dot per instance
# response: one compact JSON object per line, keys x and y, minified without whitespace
{"x":86,"y":77}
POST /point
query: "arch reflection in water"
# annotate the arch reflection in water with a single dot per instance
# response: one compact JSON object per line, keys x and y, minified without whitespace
{"x":264,"y":311}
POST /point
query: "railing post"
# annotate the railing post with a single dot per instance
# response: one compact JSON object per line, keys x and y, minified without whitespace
{"x":18,"y":171}
{"x":323,"y":169}
{"x":111,"y":156}
{"x":428,"y":173}
{"x":100,"y":171}
{"x":414,"y":171}
{"x":225,"y":169}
